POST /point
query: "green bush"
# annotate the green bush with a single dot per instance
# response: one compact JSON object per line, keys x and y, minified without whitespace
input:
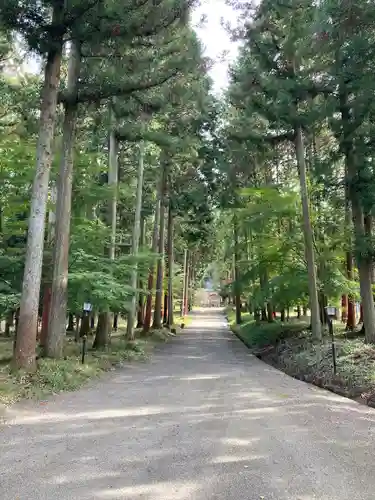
{"x":258,"y":335}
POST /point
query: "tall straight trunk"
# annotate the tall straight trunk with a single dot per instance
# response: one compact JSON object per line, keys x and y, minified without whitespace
{"x":58,"y":305}
{"x":150,"y":282}
{"x":170,"y":319}
{"x":237,"y":287}
{"x":186,"y":257}
{"x":70,"y":327}
{"x":165,"y":309}
{"x":25,"y":346}
{"x":157,"y":322}
{"x":364,"y":263}
{"x":316,"y":327}
{"x":350,"y":309}
{"x":135,"y":242}
{"x":141,"y":300}
{"x":104,"y":325}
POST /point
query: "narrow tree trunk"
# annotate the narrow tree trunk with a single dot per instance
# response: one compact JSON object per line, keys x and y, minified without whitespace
{"x":59,"y":291}
{"x":350,"y":310}
{"x":150,"y":283}
{"x":115,"y":322}
{"x":135,"y":243}
{"x":186,"y":294}
{"x":157,"y":323}
{"x":25,"y":347}
{"x":92,"y":321}
{"x":105,"y":318}
{"x":170,"y":319}
{"x":78,"y":321}
{"x":184,"y":284}
{"x":45,"y":314}
{"x":316,"y":327}
{"x":237,"y":285}
{"x":141,"y":300}
{"x":282,"y":315}
{"x":270,"y":317}
{"x":165,"y":308}
{"x":70,"y":323}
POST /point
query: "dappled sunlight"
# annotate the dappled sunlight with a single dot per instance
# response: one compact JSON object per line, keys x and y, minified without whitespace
{"x":202,"y":421}
{"x":171,"y":490}
{"x":223,"y":459}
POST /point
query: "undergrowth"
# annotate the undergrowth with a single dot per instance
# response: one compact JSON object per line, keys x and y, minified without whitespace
{"x":289,"y":346}
{"x":69,"y":374}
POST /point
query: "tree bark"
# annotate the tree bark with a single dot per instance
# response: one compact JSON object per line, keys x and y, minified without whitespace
{"x":59,"y":291}
{"x":103,"y":329}
{"x":364,"y":262}
{"x":186,"y":257}
{"x":170,"y":320}
{"x":165,"y":308}
{"x":70,"y":327}
{"x":141,"y":300}
{"x":25,"y":346}
{"x":237,"y":286}
{"x":105,"y":318}
{"x":45,"y":314}
{"x":350,"y":303}
{"x":135,"y":243}
{"x":316,"y":327}
{"x":157,"y":322}
{"x":150,"y":282}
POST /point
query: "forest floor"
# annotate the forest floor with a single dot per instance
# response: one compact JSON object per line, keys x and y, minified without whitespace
{"x":68,"y":374}
{"x":290,"y":348}
{"x":203,"y":420}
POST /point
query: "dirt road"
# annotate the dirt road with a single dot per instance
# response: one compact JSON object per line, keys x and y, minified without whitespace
{"x":202,"y":420}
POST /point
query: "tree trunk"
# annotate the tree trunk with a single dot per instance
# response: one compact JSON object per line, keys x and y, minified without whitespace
{"x":25,"y":347}
{"x":150,"y":283}
{"x":187,"y":277}
{"x":316,"y":327}
{"x":157,"y":323}
{"x":45,"y":315}
{"x":141,"y":301}
{"x":170,"y":319}
{"x":350,"y":309}
{"x":186,"y":256}
{"x":92,"y":321}
{"x":237,"y":286}
{"x":135,"y":243}
{"x":105,"y":318}
{"x":70,"y":323}
{"x":270,"y":317}
{"x":59,"y":291}
{"x":165,"y":308}
{"x":282,"y":315}
{"x":115,"y":322}
{"x":364,"y":262}
{"x":298,"y":312}
{"x":78,"y":321}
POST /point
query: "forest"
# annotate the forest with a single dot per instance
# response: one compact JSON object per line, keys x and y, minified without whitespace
{"x":126,"y":181}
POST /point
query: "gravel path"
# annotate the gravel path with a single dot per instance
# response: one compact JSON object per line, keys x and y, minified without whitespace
{"x":202,"y":420}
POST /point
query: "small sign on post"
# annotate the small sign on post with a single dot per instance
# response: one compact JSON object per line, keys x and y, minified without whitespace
{"x":87,"y":308}
{"x":331,"y":314}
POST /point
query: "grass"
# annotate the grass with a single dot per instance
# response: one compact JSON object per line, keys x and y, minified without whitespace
{"x":68,"y":374}
{"x":290,"y":348}
{"x":263,"y":335}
